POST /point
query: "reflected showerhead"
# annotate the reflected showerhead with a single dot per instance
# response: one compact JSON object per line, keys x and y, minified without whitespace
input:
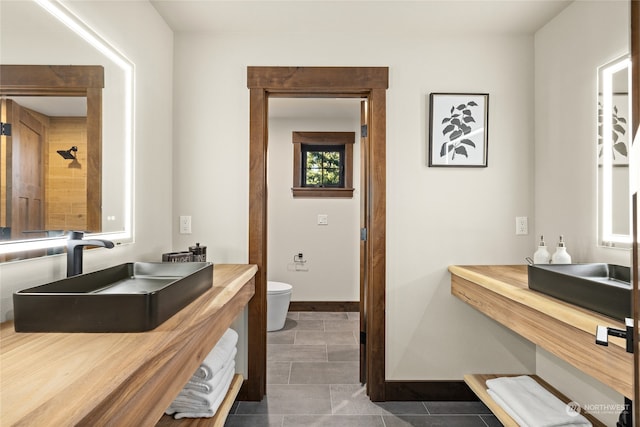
{"x":67,"y":154}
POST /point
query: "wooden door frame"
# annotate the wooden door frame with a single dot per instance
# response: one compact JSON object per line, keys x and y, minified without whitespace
{"x":317,"y":82}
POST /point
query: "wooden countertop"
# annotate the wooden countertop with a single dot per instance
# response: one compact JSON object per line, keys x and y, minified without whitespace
{"x":119,"y":379}
{"x":565,"y":330}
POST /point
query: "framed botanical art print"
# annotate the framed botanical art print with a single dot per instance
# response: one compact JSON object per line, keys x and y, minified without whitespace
{"x":458,"y":129}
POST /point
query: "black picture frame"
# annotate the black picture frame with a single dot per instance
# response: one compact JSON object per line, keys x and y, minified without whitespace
{"x":458,"y":129}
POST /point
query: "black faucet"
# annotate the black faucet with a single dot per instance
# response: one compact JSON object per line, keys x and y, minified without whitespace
{"x":75,"y":246}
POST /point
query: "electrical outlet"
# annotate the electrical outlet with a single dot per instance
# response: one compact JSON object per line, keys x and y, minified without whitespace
{"x":323,"y":219}
{"x":185,"y":224}
{"x":522,"y":225}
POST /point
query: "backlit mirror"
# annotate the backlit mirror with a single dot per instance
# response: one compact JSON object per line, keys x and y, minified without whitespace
{"x":614,"y":137}
{"x":44,"y":32}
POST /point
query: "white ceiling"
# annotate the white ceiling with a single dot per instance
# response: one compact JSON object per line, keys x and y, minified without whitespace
{"x":397,"y":16}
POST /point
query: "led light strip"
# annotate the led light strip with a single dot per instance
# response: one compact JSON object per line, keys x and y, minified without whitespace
{"x":607,"y":153}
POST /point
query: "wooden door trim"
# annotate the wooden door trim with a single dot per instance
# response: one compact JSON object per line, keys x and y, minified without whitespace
{"x":369,"y":82}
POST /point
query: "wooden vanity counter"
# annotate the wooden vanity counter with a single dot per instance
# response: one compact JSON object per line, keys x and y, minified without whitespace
{"x":565,"y":330}
{"x":117,"y":379}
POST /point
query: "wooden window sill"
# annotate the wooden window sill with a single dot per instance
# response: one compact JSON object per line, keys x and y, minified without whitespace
{"x":322,"y":192}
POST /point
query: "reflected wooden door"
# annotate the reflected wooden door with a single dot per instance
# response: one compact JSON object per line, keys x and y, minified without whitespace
{"x":25,"y":172}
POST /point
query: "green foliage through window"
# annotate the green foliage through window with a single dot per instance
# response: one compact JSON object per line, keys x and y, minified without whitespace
{"x":323,"y":165}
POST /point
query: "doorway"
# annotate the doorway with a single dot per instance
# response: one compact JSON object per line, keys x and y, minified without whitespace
{"x":369,"y":83}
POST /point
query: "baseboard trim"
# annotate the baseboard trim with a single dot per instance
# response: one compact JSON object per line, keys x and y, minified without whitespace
{"x":424,"y":391}
{"x":351,"y":306}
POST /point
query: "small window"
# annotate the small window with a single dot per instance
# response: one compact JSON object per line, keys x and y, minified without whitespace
{"x":323,"y":164}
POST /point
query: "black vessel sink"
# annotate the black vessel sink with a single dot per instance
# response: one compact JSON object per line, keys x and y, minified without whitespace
{"x":605,"y":288}
{"x":132,"y":297}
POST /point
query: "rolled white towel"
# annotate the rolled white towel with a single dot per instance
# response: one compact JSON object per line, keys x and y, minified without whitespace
{"x":207,"y":386}
{"x":534,"y":405}
{"x":217,"y":356}
{"x":191,"y":404}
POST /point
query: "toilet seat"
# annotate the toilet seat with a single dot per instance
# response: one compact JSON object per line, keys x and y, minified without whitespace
{"x":278,"y":288}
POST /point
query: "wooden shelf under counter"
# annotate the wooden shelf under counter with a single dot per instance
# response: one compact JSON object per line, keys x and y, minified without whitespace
{"x":118,"y":379}
{"x":565,"y":330}
{"x":478,"y":383}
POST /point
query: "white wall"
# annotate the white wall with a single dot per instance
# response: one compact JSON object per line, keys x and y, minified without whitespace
{"x":331,"y":252}
{"x":435,"y":216}
{"x":568,"y":52}
{"x":150,"y":48}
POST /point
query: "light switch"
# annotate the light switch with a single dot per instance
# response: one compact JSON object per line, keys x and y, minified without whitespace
{"x":323,"y":219}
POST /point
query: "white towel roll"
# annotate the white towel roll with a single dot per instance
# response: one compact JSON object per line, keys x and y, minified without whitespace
{"x":218,"y":355}
{"x":207,"y":386}
{"x":191,"y":404}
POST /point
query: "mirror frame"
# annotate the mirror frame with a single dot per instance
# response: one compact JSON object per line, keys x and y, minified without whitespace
{"x":79,"y":27}
{"x":68,"y":80}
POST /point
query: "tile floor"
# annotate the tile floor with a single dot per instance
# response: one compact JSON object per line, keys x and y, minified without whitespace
{"x":312,"y":381}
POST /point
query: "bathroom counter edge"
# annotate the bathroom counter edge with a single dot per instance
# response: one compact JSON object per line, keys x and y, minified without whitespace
{"x":567,"y":331}
{"x":116,"y":378}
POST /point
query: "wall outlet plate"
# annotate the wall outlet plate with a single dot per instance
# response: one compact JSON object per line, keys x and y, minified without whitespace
{"x":522,"y":225}
{"x":185,"y":224}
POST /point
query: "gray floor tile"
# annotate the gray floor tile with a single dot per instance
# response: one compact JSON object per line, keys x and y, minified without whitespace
{"x":324,"y":373}
{"x":290,"y":353}
{"x":341,"y":325}
{"x":332,"y":421}
{"x":253,"y":421}
{"x":291,"y":399}
{"x":457,"y":408}
{"x":289,"y":324}
{"x":491,"y":421}
{"x":278,"y":372}
{"x":322,"y":315}
{"x":433,"y":421}
{"x":281,"y":337}
{"x":307,"y":324}
{"x":343,"y":353}
{"x":352,"y":399}
{"x":313,"y":380}
{"x":326,"y":338}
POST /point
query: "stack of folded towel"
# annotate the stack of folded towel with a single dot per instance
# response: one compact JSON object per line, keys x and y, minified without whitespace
{"x":530,"y":404}
{"x":206,"y":389}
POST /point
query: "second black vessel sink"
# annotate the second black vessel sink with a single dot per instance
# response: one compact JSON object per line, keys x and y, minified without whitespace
{"x":605,"y":288}
{"x":131,"y":297}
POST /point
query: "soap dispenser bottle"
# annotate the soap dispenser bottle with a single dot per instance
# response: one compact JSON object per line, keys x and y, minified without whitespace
{"x":542,"y":255}
{"x":561,"y":256}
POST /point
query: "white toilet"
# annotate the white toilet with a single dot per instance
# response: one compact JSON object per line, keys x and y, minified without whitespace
{"x":278,"y":298}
